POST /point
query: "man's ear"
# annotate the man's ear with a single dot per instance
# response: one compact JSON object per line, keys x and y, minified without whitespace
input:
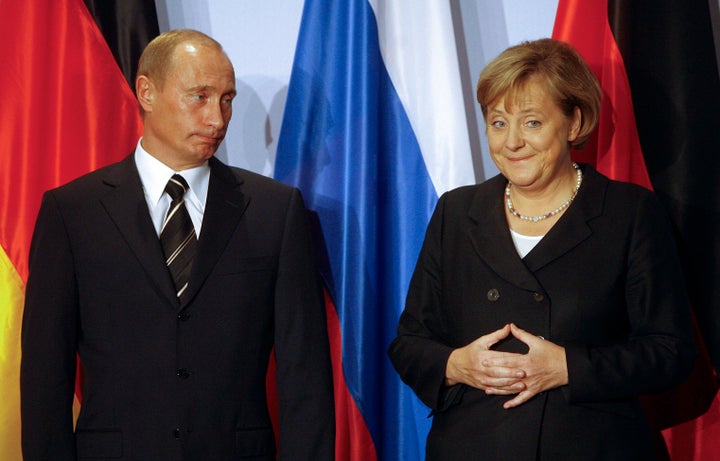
{"x":145,"y":90}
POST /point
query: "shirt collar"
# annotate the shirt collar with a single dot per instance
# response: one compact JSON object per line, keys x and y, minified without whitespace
{"x":154,"y":176}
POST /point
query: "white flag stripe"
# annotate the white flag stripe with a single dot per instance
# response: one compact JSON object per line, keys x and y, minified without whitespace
{"x":417,"y":43}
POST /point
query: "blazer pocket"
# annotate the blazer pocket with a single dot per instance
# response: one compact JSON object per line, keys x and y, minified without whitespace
{"x":254,"y":442}
{"x":98,"y":444}
{"x":230,"y":266}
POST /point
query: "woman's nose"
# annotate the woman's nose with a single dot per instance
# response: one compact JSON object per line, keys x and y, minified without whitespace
{"x":514,"y":138}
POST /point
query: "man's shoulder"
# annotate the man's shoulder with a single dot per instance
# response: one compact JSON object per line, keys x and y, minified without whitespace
{"x":252,"y":181}
{"x":96,"y":179}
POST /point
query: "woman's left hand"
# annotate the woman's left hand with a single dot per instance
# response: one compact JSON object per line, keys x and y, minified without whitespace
{"x":544,"y":365}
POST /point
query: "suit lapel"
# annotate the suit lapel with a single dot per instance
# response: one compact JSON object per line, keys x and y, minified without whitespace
{"x":491,"y":238}
{"x":225,"y":205}
{"x":493,"y":243}
{"x":126,"y":205}
{"x":572,"y":228}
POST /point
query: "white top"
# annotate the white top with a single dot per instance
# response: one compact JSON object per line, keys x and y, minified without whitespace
{"x":524,"y":243}
{"x":154,"y":176}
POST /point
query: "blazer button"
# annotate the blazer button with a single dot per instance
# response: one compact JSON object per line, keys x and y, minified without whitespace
{"x":183,"y":316}
{"x":182,"y":373}
{"x":493,"y":294}
{"x":176,"y":433}
{"x":538,"y":297}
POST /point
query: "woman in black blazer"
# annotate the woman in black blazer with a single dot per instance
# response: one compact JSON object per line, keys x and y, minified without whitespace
{"x":548,"y":298}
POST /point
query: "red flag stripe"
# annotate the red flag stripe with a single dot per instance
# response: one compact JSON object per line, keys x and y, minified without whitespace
{"x":66,"y":110}
{"x":616,"y":152}
{"x":615,"y":148}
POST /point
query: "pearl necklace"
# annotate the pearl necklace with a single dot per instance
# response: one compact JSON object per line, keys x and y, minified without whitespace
{"x":557,"y":210}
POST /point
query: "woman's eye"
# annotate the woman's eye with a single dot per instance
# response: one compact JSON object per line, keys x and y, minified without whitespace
{"x":533,"y":123}
{"x":498,"y":124}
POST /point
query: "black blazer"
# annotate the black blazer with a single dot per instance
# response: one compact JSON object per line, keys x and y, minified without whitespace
{"x":164,"y":381}
{"x":604,"y":283}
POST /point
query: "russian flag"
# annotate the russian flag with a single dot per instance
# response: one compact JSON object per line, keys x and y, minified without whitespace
{"x":373,"y":131}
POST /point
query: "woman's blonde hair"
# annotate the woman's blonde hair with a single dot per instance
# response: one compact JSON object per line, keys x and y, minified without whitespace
{"x":554,"y":64}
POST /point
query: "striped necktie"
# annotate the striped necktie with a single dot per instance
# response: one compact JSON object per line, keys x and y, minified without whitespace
{"x":177,"y":236}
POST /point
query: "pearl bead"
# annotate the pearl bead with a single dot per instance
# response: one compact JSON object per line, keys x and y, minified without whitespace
{"x":552,"y":213}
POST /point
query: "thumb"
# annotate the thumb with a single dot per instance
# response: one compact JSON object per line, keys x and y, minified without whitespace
{"x":523,"y":335}
{"x":498,"y":335}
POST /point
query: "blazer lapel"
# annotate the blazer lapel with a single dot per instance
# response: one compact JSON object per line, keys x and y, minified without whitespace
{"x":572,"y":228}
{"x":126,"y":205}
{"x":225,"y":205}
{"x":491,"y":238}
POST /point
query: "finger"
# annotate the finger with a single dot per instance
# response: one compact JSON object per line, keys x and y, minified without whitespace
{"x":528,"y":338}
{"x":491,"y":338}
{"x":505,"y":361}
{"x":514,"y":388}
{"x":519,"y":399}
{"x":521,"y":334}
{"x":510,"y":382}
{"x":500,"y":391}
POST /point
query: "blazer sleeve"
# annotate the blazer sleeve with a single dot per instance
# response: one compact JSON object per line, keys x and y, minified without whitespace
{"x":659,"y":351}
{"x":304,"y":376}
{"x":421,"y":349}
{"x":47,"y":371}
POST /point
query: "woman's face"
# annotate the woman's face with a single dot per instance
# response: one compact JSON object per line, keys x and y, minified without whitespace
{"x":529,"y":139}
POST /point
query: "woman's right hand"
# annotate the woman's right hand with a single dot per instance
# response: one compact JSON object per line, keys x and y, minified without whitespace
{"x":470,"y":365}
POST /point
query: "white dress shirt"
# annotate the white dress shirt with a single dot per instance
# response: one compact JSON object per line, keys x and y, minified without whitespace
{"x":154,"y":176}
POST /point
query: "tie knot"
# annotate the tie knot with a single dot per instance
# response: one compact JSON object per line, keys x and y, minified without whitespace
{"x":176,"y":187}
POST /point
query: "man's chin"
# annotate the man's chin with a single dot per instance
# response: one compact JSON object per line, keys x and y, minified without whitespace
{"x":207,"y":150}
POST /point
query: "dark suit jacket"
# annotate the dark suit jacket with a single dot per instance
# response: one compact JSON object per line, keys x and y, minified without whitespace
{"x":164,"y":381}
{"x":604,"y":283}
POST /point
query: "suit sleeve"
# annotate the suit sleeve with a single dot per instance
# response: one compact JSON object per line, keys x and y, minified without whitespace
{"x":304,"y":375}
{"x":659,"y":351}
{"x":421,"y":349}
{"x":47,"y":374}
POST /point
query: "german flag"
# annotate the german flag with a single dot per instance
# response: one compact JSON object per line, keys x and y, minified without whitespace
{"x":658,"y":66}
{"x":67,"y":109}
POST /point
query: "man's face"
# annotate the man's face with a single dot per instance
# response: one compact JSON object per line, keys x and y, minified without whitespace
{"x":187,"y":115}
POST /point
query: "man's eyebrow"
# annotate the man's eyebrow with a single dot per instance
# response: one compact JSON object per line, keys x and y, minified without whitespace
{"x":200,"y":88}
{"x":195,"y":89}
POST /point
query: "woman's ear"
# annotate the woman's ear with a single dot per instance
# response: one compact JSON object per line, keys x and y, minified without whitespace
{"x":575,"y":123}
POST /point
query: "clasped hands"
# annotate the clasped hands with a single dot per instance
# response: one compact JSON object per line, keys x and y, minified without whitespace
{"x":542,"y":368}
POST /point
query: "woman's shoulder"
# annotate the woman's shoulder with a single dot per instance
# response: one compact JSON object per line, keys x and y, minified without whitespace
{"x":618,"y":190}
{"x":621,"y":200}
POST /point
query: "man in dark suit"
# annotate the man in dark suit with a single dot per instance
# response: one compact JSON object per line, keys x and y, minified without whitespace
{"x":175,"y":335}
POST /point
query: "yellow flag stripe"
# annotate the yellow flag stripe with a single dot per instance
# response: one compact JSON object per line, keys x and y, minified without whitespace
{"x":12,"y":296}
